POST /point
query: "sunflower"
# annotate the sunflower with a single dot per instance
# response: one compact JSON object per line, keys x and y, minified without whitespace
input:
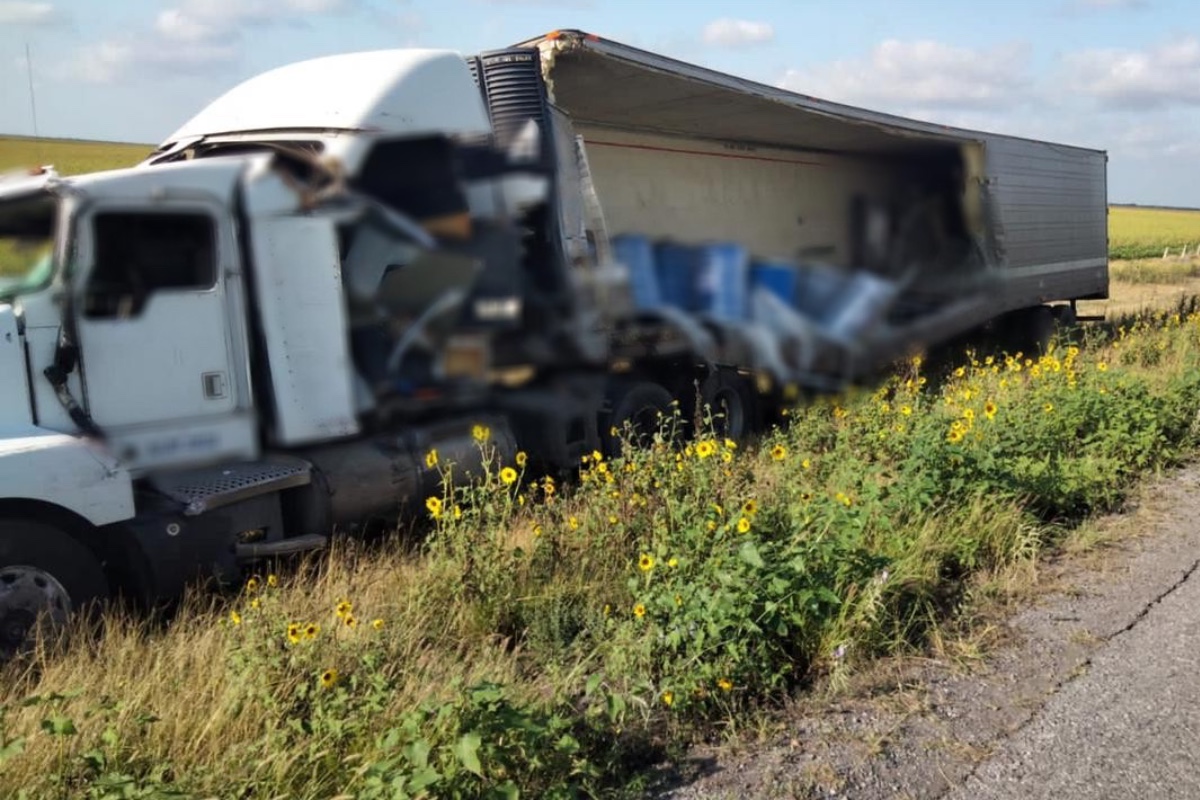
{"x":431,"y":459}
{"x":328,"y":678}
{"x":672,"y":562}
{"x":989,"y":409}
{"x":508,"y":475}
{"x":293,"y":633}
{"x":272,"y":581}
{"x":646,"y":562}
{"x":344,"y":608}
{"x":377,"y":624}
{"x":573,"y":523}
{"x":434,"y":504}
{"x":705,"y":449}
{"x":235,"y":618}
{"x":779,"y":452}
{"x":668,"y":698}
{"x":252,"y":586}
{"x":311,"y":630}
{"x":750,"y":507}
{"x":725,"y":684}
{"x":639,"y":611}
{"x":350,"y":621}
{"x":481,"y":433}
{"x":743,"y":525}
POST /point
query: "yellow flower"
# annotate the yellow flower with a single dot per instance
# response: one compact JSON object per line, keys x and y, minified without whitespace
{"x":431,"y":459}
{"x":779,"y":452}
{"x":457,"y":512}
{"x":537,"y":529}
{"x":344,"y":608}
{"x":508,"y":475}
{"x":906,"y":410}
{"x":434,"y":504}
{"x":596,"y":456}
{"x":255,"y":603}
{"x":646,"y":562}
{"x":1048,"y":407}
{"x":844,"y":499}
{"x":725,"y":684}
{"x":612,"y":520}
{"x":806,"y":464}
{"x":730,"y":444}
{"x":252,"y":586}
{"x":955,"y":435}
{"x":272,"y":581}
{"x":743,"y":525}
{"x":481,"y":433}
{"x":548,"y":485}
{"x":989,"y":409}
{"x":672,"y":562}
{"x":969,"y":414}
{"x":311,"y":630}
{"x":727,"y":457}
{"x":668,"y":698}
{"x":839,"y":412}
{"x":351,"y":621}
{"x":705,"y":449}
{"x":521,"y":458}
{"x":750,"y":507}
{"x":329,"y":678}
{"x":235,"y":617}
{"x":1103,"y":367}
{"x":293,"y":633}
{"x":377,"y":624}
{"x":679,"y":600}
{"x":639,"y":611}
{"x":573,"y":523}
{"x":958,"y":373}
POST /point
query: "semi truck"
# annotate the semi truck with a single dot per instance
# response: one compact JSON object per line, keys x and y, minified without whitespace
{"x":253,"y":338}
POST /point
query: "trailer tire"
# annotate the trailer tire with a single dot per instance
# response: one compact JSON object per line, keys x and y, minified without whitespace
{"x":644,"y":405}
{"x":728,"y":400}
{"x":42,"y":569}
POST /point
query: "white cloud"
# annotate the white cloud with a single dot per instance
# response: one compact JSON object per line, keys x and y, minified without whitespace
{"x":737,"y":33}
{"x":21,"y":12}
{"x":922,"y":73}
{"x":195,"y":35}
{"x":1163,"y":76}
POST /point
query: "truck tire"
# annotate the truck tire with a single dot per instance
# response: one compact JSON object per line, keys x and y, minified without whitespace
{"x":644,"y":405}
{"x":728,"y":400}
{"x":42,"y":569}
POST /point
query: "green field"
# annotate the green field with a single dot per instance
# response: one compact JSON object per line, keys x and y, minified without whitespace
{"x":1146,"y":232}
{"x":68,"y":156}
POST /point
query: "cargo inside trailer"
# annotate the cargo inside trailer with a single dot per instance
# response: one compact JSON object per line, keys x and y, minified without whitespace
{"x":675,"y":158}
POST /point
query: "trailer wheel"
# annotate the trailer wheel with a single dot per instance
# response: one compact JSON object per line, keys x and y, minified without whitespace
{"x":44,"y":575}
{"x":643,"y":406}
{"x":729,"y":402}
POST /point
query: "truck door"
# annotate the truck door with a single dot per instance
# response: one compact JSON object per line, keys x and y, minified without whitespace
{"x":156,"y":334}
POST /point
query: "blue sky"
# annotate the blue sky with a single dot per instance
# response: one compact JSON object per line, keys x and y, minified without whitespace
{"x":1120,"y":75}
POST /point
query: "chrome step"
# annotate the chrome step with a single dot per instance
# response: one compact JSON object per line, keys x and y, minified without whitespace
{"x":202,"y":490}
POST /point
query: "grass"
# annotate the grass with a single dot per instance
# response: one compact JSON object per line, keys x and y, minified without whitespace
{"x":1146,"y":232}
{"x":558,"y":641}
{"x":68,"y":156}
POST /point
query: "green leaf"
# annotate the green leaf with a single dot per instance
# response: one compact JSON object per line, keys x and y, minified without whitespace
{"x":423,"y":778}
{"x":467,"y":751}
{"x":12,"y":749}
{"x":59,"y":725}
{"x":749,"y":553}
{"x":417,"y":754}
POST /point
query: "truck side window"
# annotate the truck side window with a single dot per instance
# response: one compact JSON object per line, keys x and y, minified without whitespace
{"x":138,"y":254}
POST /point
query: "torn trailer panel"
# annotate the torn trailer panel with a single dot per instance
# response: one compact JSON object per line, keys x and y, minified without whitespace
{"x":1037,"y":208}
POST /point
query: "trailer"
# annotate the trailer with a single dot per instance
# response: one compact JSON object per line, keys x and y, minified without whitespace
{"x":257,"y":336}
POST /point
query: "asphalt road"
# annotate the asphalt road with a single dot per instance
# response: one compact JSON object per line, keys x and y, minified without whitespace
{"x":1127,"y":728}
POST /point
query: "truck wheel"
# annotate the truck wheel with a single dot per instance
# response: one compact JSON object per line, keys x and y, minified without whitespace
{"x":43,"y":571}
{"x":728,"y":401}
{"x":643,"y":406}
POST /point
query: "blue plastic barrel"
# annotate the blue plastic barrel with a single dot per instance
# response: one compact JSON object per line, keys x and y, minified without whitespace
{"x":777,"y":277}
{"x":819,"y":288}
{"x":677,"y":267}
{"x":637,"y":253}
{"x":721,"y":288}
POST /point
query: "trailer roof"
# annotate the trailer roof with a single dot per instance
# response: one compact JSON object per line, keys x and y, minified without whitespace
{"x":722,"y":105}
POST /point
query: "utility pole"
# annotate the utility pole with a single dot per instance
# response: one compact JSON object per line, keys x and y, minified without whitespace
{"x":32,"y":101}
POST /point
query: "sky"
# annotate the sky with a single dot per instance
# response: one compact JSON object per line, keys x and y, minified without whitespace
{"x":1118,"y":75}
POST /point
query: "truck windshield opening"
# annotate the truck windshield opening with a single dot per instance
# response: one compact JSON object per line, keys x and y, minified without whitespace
{"x":28,"y":226}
